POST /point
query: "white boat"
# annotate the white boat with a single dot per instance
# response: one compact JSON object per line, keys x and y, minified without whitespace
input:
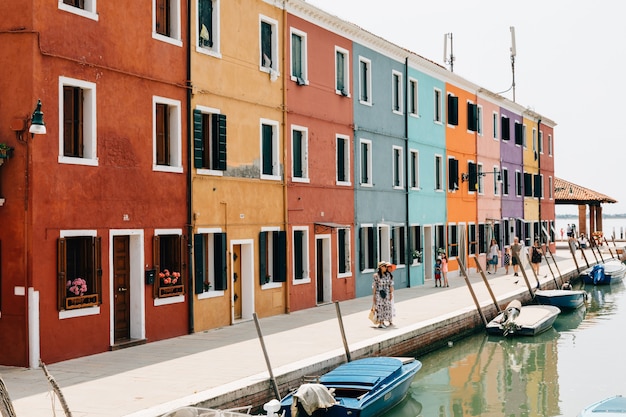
{"x":610,"y":272}
{"x":518,"y":320}
{"x":563,"y":299}
{"x":609,"y":407}
{"x":271,"y":408}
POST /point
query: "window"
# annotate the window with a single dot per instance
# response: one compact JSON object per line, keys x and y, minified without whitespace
{"x":506,"y":130}
{"x":299,"y":154}
{"x":385,"y":242}
{"x":414,"y":169}
{"x":415,"y":236}
{"x":366,"y":162}
{"x":505,"y":181}
{"x":437,"y":103}
{"x":528,"y":184}
{"x":495,"y":125}
{"x":453,"y":110}
{"x":482,"y":238}
{"x":453,"y":174}
{"x":480,"y":179}
{"x":78,"y":138}
{"x":398,"y":245}
{"x":167,"y":135}
{"x":367,"y":248}
{"x":270,"y":165}
{"x":210,"y":261}
{"x":365,"y":81}
{"x":301,"y":254}
{"x":438,"y":173}
{"x":299,"y":57}
{"x":519,"y":134}
{"x":550,"y":188}
{"x":396,"y":92}
{"x":209,"y":26}
{"x":479,"y":120}
{"x":79,"y":270}
{"x":518,"y":183}
{"x":524,"y":136}
{"x":343,"y":160}
{"x":472,"y":117}
{"x":497,"y":179}
{"x":209,"y":140}
{"x":342,"y":72}
{"x":272,"y":256}
{"x":471,"y":239}
{"x":268,"y":38}
{"x":440,"y":238}
{"x":538,"y":185}
{"x":550,"y":145}
{"x":166,"y":17}
{"x":85,"y":8}
{"x":540,"y":141}
{"x":534,"y":139}
{"x":398,"y":168}
{"x":453,"y":241}
{"x":413,"y":98}
{"x":343,"y":252}
{"x":167,"y":256}
{"x":472,"y":177}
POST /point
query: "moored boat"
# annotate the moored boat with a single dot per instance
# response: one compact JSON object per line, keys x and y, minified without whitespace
{"x":610,"y":272}
{"x":609,"y":407}
{"x":518,"y":320}
{"x":563,"y":299}
{"x":362,"y":388}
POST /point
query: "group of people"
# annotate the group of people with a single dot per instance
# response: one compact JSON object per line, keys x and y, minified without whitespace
{"x":383,"y":309}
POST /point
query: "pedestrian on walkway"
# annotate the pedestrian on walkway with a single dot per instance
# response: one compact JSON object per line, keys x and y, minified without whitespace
{"x":516,"y":251}
{"x":438,"y":273}
{"x":535,"y":257}
{"x":383,"y":294}
{"x":507,"y":259}
{"x":493,"y":257}
{"x":444,"y":269}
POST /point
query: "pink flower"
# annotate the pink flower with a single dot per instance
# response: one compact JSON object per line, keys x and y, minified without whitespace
{"x":78,"y":286}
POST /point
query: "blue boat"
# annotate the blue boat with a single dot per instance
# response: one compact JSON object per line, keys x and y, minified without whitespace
{"x":610,"y":272}
{"x":362,"y":388}
{"x":563,"y":299}
{"x":609,"y":407}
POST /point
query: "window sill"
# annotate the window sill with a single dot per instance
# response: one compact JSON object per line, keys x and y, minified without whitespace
{"x":208,"y":52}
{"x":271,"y":177}
{"x":169,"y":300}
{"x":302,"y":281}
{"x":167,"y":168}
{"x":167,"y":39}
{"x":211,"y":172}
{"x":78,"y":161}
{"x":210,"y":294}
{"x":343,"y":184}
{"x":80,"y":12}
{"x":271,"y":285}
{"x":79,"y":312}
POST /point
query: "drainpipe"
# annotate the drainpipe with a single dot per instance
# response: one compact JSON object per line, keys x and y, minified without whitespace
{"x":539,"y":173}
{"x":407,"y":248}
{"x":190,"y":280}
{"x":285,"y":133}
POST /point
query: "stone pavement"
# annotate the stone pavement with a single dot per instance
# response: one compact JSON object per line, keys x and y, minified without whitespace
{"x":150,"y":379}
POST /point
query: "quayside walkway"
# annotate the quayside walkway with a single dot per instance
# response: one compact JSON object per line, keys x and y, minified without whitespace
{"x":220,"y":366}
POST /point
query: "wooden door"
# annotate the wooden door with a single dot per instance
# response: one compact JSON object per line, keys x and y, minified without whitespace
{"x":319,"y":270}
{"x":121,"y":287}
{"x":237,"y":296}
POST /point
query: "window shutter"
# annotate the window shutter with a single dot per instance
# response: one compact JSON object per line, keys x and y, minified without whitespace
{"x":262,"y":257}
{"x":266,"y":45}
{"x":156,"y":263}
{"x":340,"y":75}
{"x":519,"y":134}
{"x":298,"y":265}
{"x":296,"y":55}
{"x":374,"y":250}
{"x":505,"y":128}
{"x":280,"y":256}
{"x":453,"y":174}
{"x":473,"y":176}
{"x":97,"y":267}
{"x":341,"y":244}
{"x":198,"y":140}
{"x":218,"y":127}
{"x":219,"y":261}
{"x":528,"y":185}
{"x":267,"y":150}
{"x":199,"y":260}
{"x":297,"y":154}
{"x":537,"y":187}
{"x":362,"y":248}
{"x":341,"y":175}
{"x":453,"y":110}
{"x":61,"y":273}
{"x":472,"y":117}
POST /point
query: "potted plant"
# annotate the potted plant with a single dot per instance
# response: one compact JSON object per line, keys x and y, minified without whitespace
{"x":5,"y":151}
{"x":417,"y":256}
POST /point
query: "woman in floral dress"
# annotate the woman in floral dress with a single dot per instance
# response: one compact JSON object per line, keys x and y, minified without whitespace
{"x":383,"y":294}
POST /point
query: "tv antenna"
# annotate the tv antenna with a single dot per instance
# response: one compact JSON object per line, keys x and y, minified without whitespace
{"x":513,"y":53}
{"x":448,"y":60}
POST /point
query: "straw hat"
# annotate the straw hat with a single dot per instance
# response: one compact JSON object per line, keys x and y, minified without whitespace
{"x":383,"y":263}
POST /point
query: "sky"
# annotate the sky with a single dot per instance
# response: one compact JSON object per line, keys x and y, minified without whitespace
{"x":568,"y":67}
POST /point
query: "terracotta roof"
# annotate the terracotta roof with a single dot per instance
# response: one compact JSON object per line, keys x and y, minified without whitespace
{"x":566,"y":192}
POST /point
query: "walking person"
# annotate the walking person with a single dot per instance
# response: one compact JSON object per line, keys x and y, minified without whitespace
{"x":493,"y":256}
{"x":444,"y":269}
{"x":516,"y":251}
{"x":535,"y":257}
{"x":383,"y":294}
{"x":507,"y":259}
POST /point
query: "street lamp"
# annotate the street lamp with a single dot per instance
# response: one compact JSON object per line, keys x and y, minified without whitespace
{"x":37,"y":125}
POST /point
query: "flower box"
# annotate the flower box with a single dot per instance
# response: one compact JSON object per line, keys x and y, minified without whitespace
{"x":81,"y":301}
{"x":171,"y":291}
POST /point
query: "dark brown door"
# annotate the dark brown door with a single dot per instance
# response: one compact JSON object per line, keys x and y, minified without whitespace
{"x":237,"y":300}
{"x":121,"y":287}
{"x":319,"y":270}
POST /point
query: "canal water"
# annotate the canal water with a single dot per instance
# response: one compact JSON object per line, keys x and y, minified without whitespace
{"x":558,"y":373}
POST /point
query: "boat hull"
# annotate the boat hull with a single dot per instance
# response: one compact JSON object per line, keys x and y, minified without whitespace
{"x":609,"y":407}
{"x":563,"y":299}
{"x":614,"y":272}
{"x":532,"y":320}
{"x":383,"y":396}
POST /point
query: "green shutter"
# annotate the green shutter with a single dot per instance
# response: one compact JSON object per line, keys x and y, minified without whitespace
{"x":297,"y":154}
{"x":505,"y":128}
{"x":537,"y":187}
{"x":298,"y":248}
{"x":472,"y":117}
{"x":262,"y":257}
{"x":519,"y":134}
{"x":199,"y":259}
{"x":296,"y":55}
{"x":219,"y":261}
{"x":341,"y":244}
{"x":267,"y":168}
{"x":473,"y":176}
{"x":198,"y":142}
{"x":453,"y":110}
{"x":341,"y":175}
{"x":280,"y":256}
{"x":453,"y":174}
{"x":219,"y":139}
{"x":362,"y":249}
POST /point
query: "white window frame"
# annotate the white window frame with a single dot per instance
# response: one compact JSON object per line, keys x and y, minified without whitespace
{"x":413,"y":94}
{"x":534,"y":140}
{"x":398,"y":233}
{"x":348,"y":254}
{"x":209,"y":254}
{"x":346,"y":71}
{"x":275,"y":176}
{"x":384,"y":242}
{"x":519,"y":183}
{"x":540,"y":141}
{"x":346,"y":162}
{"x":400,"y":167}
{"x":90,"y":135}
{"x":442,"y":185}
{"x":175,"y":19}
{"x":179,"y":298}
{"x":397,"y":78}
{"x":205,"y":171}
{"x":306,"y":274}
{"x":303,"y":56}
{"x":505,"y":174}
{"x":270,"y":264}
{"x":524,"y":140}
{"x":90,"y":11}
{"x":214,"y":50}
{"x":368,"y":81}
{"x":496,"y":172}
{"x":414,"y":174}
{"x":438,"y":106}
{"x":305,"y":154}
{"x":481,"y":178}
{"x":175,"y":122}
{"x":368,"y":247}
{"x":370,"y":182}
{"x":496,"y":125}
{"x":273,"y":68}
{"x":549,"y":144}
{"x":550,"y":187}
{"x":479,"y":119}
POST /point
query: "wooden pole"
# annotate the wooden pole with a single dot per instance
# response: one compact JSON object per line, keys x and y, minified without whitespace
{"x":267,"y":359}
{"x":471,"y":290}
{"x":572,"y":250}
{"x":610,"y":250}
{"x":56,"y":388}
{"x":482,"y":274}
{"x":6,"y":406}
{"x":533,"y":269}
{"x":557,"y":266}
{"x":343,"y":332}
{"x":550,"y":268}
{"x":523,"y":270}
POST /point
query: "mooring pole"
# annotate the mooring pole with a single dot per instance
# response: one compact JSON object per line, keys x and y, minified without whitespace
{"x":471,"y":290}
{"x":343,"y":332}
{"x":486,"y":281}
{"x":267,"y":359}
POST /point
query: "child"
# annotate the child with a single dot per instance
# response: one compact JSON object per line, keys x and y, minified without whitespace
{"x":507,"y":260}
{"x":438,"y":273}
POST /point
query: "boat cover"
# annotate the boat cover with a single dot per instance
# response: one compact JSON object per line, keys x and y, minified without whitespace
{"x":312,"y":397}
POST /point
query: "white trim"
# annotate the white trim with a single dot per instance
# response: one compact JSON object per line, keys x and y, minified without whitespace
{"x":347,"y":159}
{"x":414,"y":95}
{"x":306,"y":274}
{"x":346,"y":71}
{"x":273,"y":68}
{"x":400,"y":167}
{"x":305,"y":154}
{"x":368,"y":63}
{"x":205,"y":171}
{"x":175,"y":125}
{"x":247,"y":278}
{"x":90,"y":131}
{"x":303,"y":57}
{"x":276,"y":166}
{"x":400,"y":88}
{"x":90,"y":10}
{"x":215,"y":50}
{"x":175,"y":20}
{"x":370,"y":169}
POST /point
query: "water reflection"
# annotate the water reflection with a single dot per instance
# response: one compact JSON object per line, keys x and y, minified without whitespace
{"x":554,"y":374}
